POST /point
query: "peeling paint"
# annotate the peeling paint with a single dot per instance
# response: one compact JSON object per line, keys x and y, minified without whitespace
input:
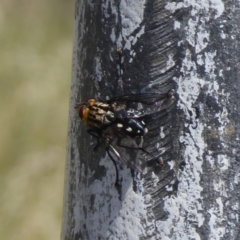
{"x":186,"y":210}
{"x":131,"y":16}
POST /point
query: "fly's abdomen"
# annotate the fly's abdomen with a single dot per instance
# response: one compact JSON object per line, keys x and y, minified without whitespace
{"x":132,"y":127}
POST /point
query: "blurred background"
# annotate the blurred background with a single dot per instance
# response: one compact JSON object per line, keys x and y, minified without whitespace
{"x":36,"y":40}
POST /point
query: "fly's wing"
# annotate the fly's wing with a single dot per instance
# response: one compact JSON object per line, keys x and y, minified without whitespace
{"x":139,"y":105}
{"x":145,"y":98}
{"x":128,"y":152}
{"x":123,"y":148}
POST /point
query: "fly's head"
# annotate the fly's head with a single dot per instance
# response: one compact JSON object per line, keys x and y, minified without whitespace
{"x":84,"y":109}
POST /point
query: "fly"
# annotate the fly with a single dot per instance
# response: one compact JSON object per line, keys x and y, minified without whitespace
{"x":121,"y":124}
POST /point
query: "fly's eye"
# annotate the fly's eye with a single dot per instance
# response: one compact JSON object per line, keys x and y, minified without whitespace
{"x":81,"y":111}
{"x":91,"y":101}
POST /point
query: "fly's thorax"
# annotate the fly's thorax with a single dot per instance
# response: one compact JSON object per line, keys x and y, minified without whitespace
{"x":118,"y":106}
{"x":108,"y":118}
{"x":100,"y":114}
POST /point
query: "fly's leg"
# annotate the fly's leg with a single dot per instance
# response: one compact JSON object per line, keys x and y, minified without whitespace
{"x":117,"y":182}
{"x":141,"y":148}
{"x":159,"y":162}
{"x":120,"y":70}
{"x":96,"y":135}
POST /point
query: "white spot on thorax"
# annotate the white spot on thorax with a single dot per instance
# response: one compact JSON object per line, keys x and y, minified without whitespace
{"x":119,"y":125}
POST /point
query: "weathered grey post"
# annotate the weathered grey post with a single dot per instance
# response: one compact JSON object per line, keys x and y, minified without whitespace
{"x":192,"y":47}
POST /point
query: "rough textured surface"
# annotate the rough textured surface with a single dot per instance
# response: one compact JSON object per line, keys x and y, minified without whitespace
{"x":191,"y":46}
